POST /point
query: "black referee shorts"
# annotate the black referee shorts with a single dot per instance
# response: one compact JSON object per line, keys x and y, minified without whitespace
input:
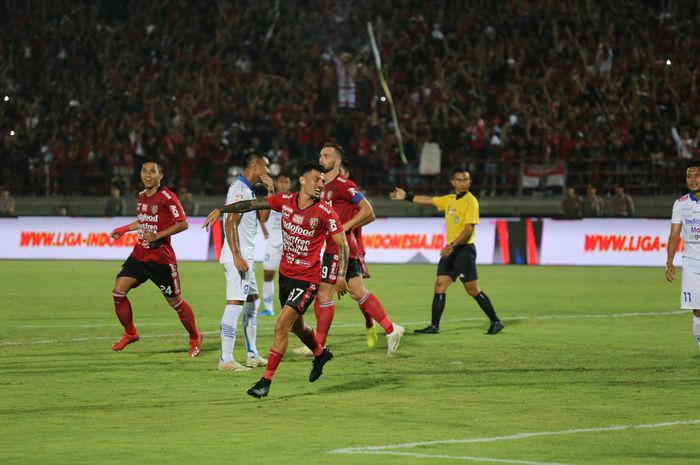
{"x":460,"y":263}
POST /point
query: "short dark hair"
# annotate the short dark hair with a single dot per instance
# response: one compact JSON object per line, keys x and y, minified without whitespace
{"x":693,"y":164}
{"x":306,"y":167}
{"x":282,"y":174}
{"x":250,"y":156}
{"x":338,"y":148}
{"x":155,"y":162}
{"x":458,"y":169}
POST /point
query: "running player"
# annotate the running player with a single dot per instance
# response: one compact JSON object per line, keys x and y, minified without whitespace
{"x":159,"y":216}
{"x":306,"y":220}
{"x":238,"y":260}
{"x":684,"y":222}
{"x":272,"y":229}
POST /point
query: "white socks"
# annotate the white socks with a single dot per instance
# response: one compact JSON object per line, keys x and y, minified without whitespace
{"x":696,"y":329}
{"x":268,"y":294}
{"x":250,"y":326}
{"x":229,"y":321}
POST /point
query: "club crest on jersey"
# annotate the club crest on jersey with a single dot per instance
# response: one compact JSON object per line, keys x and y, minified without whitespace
{"x":313,"y":223}
{"x":154,"y":209}
{"x":298,"y":219}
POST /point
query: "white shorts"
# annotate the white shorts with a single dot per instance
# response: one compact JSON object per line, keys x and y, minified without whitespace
{"x":690,"y":290}
{"x":273,"y":255}
{"x":240,"y":285}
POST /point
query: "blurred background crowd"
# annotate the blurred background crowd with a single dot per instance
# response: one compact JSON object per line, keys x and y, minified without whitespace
{"x":91,"y":89}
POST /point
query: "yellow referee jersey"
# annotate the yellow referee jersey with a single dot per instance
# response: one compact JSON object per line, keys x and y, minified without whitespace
{"x":458,"y":213}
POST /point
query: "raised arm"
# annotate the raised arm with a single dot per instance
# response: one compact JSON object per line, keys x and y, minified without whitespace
{"x":400,"y":194}
{"x":237,"y":207}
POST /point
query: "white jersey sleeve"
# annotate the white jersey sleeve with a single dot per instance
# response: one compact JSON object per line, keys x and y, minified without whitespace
{"x":686,"y":212}
{"x":247,"y":227}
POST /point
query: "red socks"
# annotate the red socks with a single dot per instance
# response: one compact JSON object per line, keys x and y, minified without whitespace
{"x":273,"y":361}
{"x":370,"y":305}
{"x":184,"y":311}
{"x":325,"y":311}
{"x":122,"y":307}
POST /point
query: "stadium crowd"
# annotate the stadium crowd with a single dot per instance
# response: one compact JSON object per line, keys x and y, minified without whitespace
{"x":91,"y":89}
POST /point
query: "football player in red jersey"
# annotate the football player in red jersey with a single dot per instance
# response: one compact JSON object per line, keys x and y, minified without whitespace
{"x":159,"y":216}
{"x":306,"y":220}
{"x":354,"y":210}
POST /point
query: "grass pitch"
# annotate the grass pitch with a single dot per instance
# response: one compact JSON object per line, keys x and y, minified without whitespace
{"x":595,"y":366}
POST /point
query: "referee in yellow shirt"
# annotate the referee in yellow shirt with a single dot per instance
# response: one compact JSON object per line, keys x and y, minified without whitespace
{"x":458,"y":257}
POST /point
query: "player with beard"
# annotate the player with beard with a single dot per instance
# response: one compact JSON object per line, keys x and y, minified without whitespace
{"x":354,"y":210}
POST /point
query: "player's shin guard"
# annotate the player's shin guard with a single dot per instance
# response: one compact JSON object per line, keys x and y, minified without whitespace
{"x":325,"y":311}
{"x":184,"y":311}
{"x":485,"y":304}
{"x":250,"y":325}
{"x":122,"y":307}
{"x":373,"y":307}
{"x":268,"y":294}
{"x":438,"y":308}
{"x":229,"y":321}
{"x":696,"y":329}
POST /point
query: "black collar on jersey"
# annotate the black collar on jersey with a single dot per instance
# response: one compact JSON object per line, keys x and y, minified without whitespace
{"x":459,"y":196}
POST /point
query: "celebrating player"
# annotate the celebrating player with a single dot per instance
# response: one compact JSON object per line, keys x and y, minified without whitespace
{"x":159,"y":216}
{"x":238,"y":260}
{"x":272,"y":229}
{"x":458,"y":257}
{"x":684,"y":222}
{"x":306,"y":220}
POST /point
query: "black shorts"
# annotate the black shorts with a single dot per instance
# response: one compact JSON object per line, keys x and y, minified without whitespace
{"x":296,"y":293}
{"x":460,"y":263}
{"x":165,"y":276}
{"x":329,"y":268}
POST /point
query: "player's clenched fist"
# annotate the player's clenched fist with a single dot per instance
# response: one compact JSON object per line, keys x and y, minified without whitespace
{"x":120,"y":231}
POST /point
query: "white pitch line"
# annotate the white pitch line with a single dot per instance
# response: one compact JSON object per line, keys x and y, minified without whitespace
{"x":337,"y":325}
{"x":462,"y":457}
{"x":408,"y":445}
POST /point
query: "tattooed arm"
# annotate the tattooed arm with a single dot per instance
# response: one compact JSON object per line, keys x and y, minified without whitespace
{"x":238,"y":207}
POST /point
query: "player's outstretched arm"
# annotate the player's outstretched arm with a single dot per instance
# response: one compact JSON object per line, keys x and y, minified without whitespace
{"x":400,"y":194}
{"x":237,"y":207}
